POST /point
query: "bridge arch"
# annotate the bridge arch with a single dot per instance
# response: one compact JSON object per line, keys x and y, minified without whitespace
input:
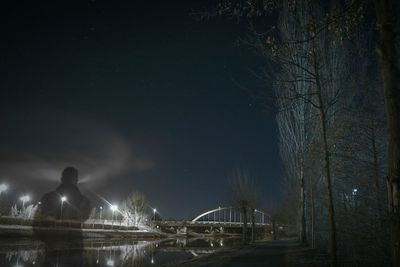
{"x":231,"y":215}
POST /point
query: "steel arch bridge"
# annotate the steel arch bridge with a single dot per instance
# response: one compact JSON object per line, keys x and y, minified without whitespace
{"x":230,"y":215}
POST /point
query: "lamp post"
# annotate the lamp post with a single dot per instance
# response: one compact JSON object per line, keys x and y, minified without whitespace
{"x":101,"y":215}
{"x":3,"y":188}
{"x":154,"y":216}
{"x":63,"y":199}
{"x":113,"y":209}
{"x":355,"y":190}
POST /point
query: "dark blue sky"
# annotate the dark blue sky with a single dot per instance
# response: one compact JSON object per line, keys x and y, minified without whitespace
{"x":138,"y":95}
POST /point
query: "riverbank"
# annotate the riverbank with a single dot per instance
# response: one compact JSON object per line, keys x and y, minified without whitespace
{"x":263,"y":253}
{"x":29,"y":231}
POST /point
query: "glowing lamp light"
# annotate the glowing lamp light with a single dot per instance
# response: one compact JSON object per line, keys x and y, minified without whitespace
{"x":25,"y":198}
{"x":114,"y":208}
{"x":63,"y":198}
{"x":3,"y":188}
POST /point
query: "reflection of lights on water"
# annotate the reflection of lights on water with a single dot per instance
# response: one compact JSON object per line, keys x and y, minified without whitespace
{"x":17,"y":264}
{"x":97,"y":261}
{"x":110,"y":262}
{"x":34,"y":262}
{"x":152,"y":260}
{"x":221,"y":243}
{"x":211,"y":244}
{"x":156,"y":245}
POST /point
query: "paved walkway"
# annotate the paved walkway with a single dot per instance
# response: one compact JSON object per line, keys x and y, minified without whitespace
{"x":269,"y":254}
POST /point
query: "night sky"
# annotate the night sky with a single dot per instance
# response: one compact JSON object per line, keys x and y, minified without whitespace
{"x":138,"y":95}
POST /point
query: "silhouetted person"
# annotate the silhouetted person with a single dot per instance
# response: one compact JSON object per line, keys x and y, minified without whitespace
{"x":66,"y":203}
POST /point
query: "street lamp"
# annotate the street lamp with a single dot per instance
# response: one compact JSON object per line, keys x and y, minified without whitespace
{"x":154,"y":211}
{"x":101,"y":215}
{"x":113,"y":209}
{"x":63,"y":199}
{"x":3,"y":188}
{"x":355,"y":197}
{"x":24,"y":199}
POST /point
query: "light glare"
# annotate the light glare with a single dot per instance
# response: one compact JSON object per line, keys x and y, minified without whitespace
{"x":25,"y":198}
{"x":3,"y":188}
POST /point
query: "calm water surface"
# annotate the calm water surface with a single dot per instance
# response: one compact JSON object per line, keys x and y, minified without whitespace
{"x":137,"y":253}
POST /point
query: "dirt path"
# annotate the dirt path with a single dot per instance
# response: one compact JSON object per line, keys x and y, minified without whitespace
{"x":269,"y":254}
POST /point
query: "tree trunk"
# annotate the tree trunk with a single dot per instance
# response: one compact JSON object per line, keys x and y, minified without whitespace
{"x":323,"y":121}
{"x":376,"y":174}
{"x":302,"y":209}
{"x":274,"y":235}
{"x":312,"y":217}
{"x":390,"y":75}
{"x":244,"y":227}
{"x":253,"y":224}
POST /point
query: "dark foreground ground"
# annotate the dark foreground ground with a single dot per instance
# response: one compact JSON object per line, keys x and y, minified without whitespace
{"x":267,"y":253}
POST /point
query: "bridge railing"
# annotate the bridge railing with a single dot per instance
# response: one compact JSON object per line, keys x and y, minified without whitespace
{"x":231,"y":215}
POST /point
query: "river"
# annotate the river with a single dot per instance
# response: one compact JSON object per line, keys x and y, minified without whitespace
{"x":96,"y":252}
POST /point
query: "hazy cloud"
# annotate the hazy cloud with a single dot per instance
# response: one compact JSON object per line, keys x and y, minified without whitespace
{"x":37,"y":145}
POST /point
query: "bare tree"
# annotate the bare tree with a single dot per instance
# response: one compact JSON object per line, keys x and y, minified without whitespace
{"x":315,"y":77}
{"x":388,"y":54}
{"x":244,"y":195}
{"x":134,"y":209}
{"x":313,"y":57}
{"x":273,"y":210}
